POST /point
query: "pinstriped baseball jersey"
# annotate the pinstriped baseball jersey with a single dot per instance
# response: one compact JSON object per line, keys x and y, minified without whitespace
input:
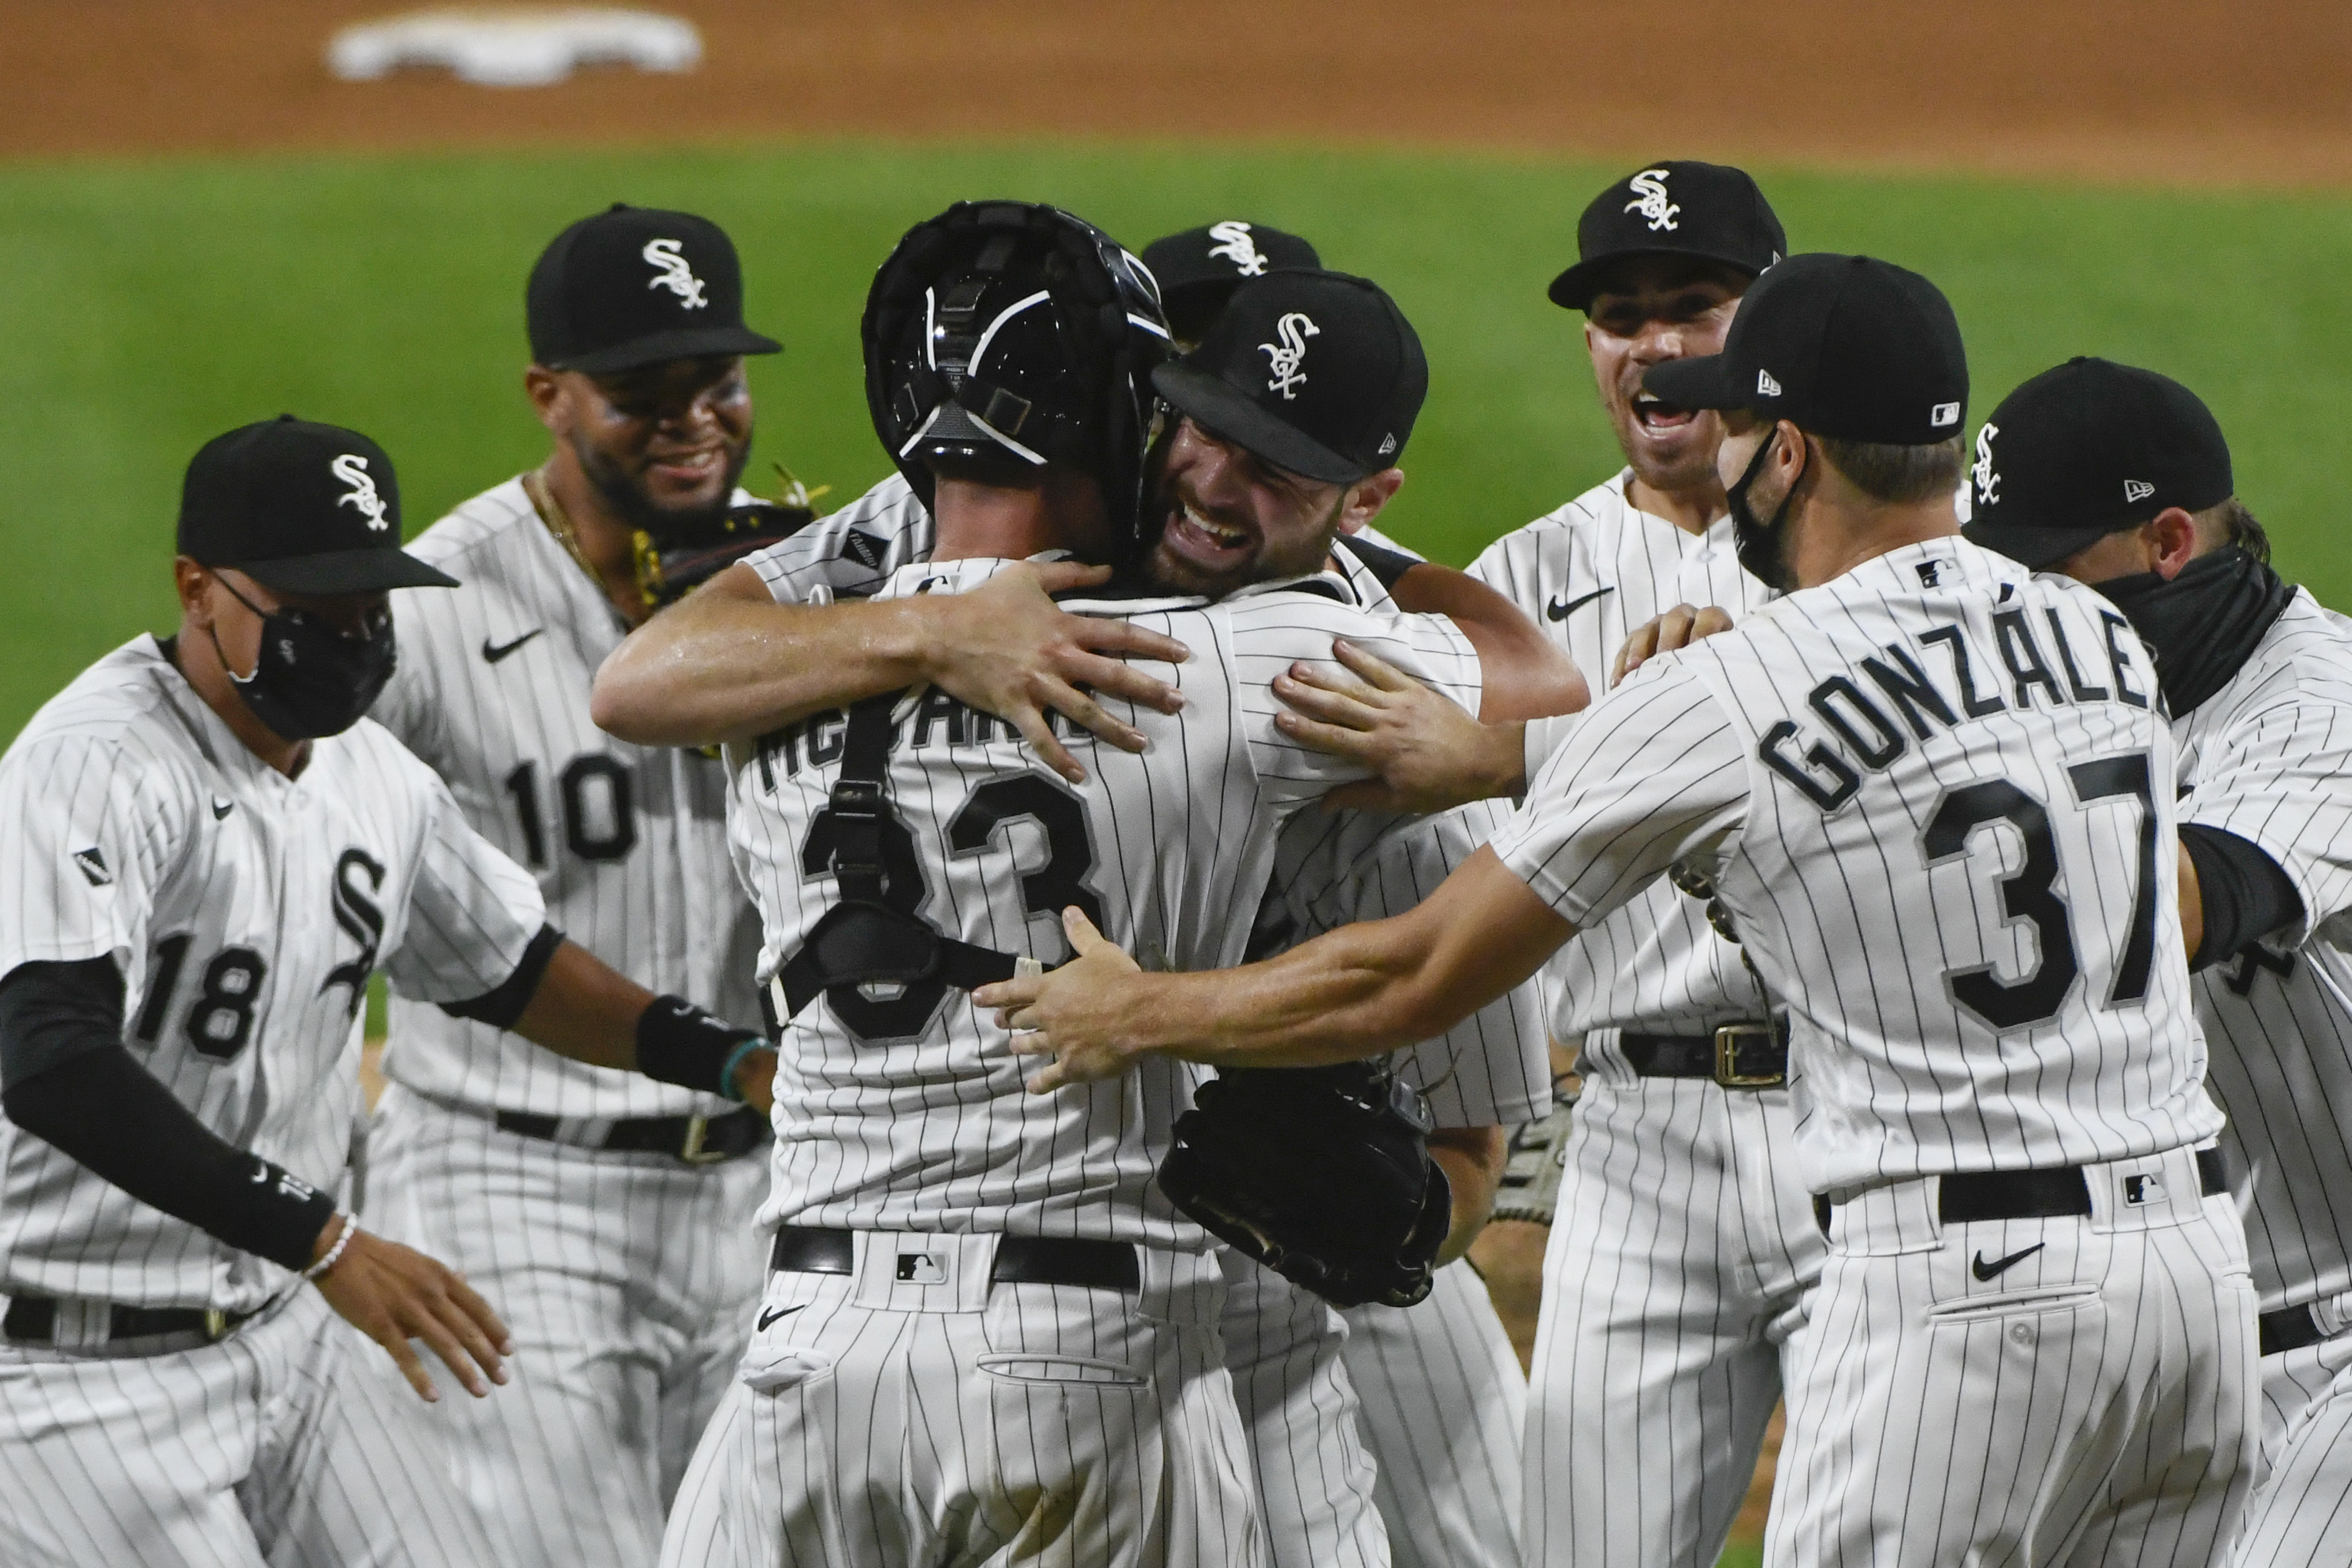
{"x":1934,"y":796}
{"x":1492,"y":1070}
{"x":911,"y":1114}
{"x":2269,"y":758}
{"x":851,"y":554}
{"x":1590,"y":573}
{"x":245,"y":911}
{"x":629,"y":843}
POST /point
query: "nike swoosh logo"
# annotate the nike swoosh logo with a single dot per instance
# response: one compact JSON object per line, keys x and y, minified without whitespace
{"x":1984,"y":1270}
{"x":221,"y":809}
{"x":1560,"y":610}
{"x":772,"y":1313}
{"x":494,"y":652}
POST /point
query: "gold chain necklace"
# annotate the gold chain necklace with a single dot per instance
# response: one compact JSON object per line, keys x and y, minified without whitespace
{"x":559,"y":522}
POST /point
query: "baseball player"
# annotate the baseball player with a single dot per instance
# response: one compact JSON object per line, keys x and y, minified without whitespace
{"x":210,"y":853}
{"x":907,"y":1161}
{"x":2120,"y":478}
{"x":1677,"y":1277}
{"x":1284,"y":1346}
{"x":1929,"y":792}
{"x":609,"y":1216}
{"x":1198,"y":269}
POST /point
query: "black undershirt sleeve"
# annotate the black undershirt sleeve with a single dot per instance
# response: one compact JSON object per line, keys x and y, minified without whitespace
{"x":1385,"y":565}
{"x":70,"y":1081}
{"x":501,"y":1007}
{"x":2246,"y":895}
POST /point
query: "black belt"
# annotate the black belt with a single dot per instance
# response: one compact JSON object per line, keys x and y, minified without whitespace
{"x":1974,"y":1196}
{"x":34,"y":1319}
{"x":1737,"y":1055}
{"x":2288,"y":1328}
{"x":695,"y":1140}
{"x":1020,"y":1259}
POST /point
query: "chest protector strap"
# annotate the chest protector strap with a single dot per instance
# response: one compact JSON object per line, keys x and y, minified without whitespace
{"x":864,"y":940}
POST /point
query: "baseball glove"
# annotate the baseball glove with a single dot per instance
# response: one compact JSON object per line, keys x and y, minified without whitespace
{"x":669,"y":568}
{"x":1529,"y":1189}
{"x":1323,"y":1174}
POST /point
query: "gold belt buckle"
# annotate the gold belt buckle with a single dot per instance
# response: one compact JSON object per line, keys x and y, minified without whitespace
{"x":698,"y":1126}
{"x":1726,"y":1058}
{"x":215,"y":1323}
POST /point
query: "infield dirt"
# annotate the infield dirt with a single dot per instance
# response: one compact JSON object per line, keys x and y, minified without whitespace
{"x":2200,"y":92}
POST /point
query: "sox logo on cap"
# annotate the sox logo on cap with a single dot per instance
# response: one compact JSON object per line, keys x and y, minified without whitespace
{"x":1284,"y":358}
{"x":1235,"y":244}
{"x":672,"y":271}
{"x":353,"y":470}
{"x":1649,"y":188}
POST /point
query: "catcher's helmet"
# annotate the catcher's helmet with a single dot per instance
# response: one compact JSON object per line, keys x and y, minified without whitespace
{"x":1013,"y":333}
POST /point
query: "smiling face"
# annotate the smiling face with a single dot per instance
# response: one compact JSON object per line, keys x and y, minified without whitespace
{"x":1650,"y":310}
{"x":663,"y":443}
{"x":1227,"y":518}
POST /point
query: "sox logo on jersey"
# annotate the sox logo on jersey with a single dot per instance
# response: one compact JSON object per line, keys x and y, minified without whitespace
{"x":1283,"y":358}
{"x":1649,"y":188}
{"x":353,"y":470}
{"x":1235,"y":245}
{"x":672,"y":272}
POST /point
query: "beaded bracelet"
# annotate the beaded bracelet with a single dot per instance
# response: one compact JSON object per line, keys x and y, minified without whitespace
{"x":317,"y":1270}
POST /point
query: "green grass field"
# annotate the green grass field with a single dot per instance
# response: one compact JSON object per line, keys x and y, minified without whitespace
{"x":150,"y":305}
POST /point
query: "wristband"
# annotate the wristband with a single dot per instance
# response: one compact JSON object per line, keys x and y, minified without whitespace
{"x":679,"y":1043}
{"x":343,"y":1238}
{"x":750,"y":1043}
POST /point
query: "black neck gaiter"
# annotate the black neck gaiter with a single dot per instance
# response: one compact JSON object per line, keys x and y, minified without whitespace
{"x":2203,"y":624}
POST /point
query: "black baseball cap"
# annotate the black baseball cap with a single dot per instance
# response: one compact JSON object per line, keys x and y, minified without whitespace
{"x":1198,"y":269}
{"x":634,"y":286}
{"x":2087,"y":449}
{"x":299,"y":508}
{"x":1317,"y":373}
{"x":1676,"y":208}
{"x":1845,"y":346}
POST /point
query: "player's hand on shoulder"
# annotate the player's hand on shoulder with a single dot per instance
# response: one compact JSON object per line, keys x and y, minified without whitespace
{"x":1007,"y":648}
{"x":1678,"y":627}
{"x":1071,"y":1014}
{"x":1429,"y":754}
{"x":394,"y":1294}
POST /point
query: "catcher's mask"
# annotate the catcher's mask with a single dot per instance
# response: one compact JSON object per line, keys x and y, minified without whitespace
{"x":1007,"y":335}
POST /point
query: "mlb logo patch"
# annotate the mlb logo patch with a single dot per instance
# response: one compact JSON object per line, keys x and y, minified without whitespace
{"x":1931,"y":574}
{"x":1944,"y":414}
{"x":920,"y":1268}
{"x":2143,"y":1189}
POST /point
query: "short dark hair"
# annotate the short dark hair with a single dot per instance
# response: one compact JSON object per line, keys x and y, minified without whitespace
{"x":1898,"y":475}
{"x":2245,"y":533}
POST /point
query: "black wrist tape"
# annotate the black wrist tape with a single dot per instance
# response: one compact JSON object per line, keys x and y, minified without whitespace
{"x":679,"y":1043}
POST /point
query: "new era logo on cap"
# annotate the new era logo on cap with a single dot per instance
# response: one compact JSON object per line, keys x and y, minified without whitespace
{"x":1765,"y":386}
{"x":2137,"y":491}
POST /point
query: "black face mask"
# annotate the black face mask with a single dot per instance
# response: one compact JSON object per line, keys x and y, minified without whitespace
{"x":311,"y":679}
{"x":2203,"y":624}
{"x":1761,"y":547}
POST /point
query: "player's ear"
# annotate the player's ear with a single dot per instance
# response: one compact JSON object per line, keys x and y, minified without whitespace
{"x":545,"y":389}
{"x":1367,"y":497}
{"x":193,"y":582}
{"x":2170,"y":537}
